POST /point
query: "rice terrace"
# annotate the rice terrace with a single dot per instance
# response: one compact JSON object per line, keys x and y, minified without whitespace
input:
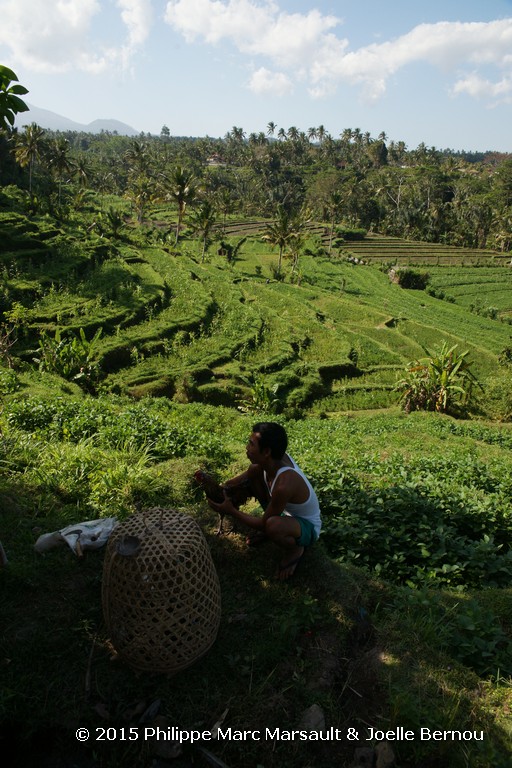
{"x":159,"y":296}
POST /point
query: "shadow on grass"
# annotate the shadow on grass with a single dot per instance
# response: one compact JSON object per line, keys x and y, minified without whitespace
{"x":319,"y":639}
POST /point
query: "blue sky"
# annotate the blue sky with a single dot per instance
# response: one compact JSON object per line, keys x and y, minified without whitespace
{"x":435,"y":72}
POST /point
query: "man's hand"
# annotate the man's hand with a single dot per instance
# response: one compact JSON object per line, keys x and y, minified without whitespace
{"x":225,"y":507}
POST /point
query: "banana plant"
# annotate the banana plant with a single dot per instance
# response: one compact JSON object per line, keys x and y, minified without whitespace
{"x":69,"y":356}
{"x":438,"y":382}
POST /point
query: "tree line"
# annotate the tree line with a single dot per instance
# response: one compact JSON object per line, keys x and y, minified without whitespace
{"x":353,"y":179}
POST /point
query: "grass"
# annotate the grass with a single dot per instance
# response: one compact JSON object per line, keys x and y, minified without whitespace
{"x":367,"y":651}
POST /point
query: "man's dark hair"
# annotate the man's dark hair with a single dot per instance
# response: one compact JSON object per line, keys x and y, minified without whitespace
{"x":272,"y":436}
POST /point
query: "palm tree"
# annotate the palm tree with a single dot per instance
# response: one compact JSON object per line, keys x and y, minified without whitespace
{"x":283,"y":230}
{"x":224,"y":202}
{"x":278,"y":233}
{"x":271,"y":128}
{"x":296,"y":244}
{"x":115,"y":221}
{"x":203,"y":219}
{"x":28,"y":148}
{"x":82,"y":170}
{"x":182,"y":192}
{"x":237,"y":134}
{"x":141,"y":192}
{"x":333,"y":206}
{"x":60,"y":160}
{"x":137,"y":156}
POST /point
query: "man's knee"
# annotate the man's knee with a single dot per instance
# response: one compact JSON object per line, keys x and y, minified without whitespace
{"x":273,"y":526}
{"x":277,"y":526}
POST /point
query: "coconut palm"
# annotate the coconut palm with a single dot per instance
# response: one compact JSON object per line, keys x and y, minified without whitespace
{"x":279,"y":232}
{"x":137,"y":156}
{"x":285,"y":228}
{"x":60,"y":161}
{"x":321,"y":133}
{"x":28,"y":148}
{"x":181,"y":190}
{"x":202,"y":220}
{"x":82,"y":170}
{"x":141,"y":191}
{"x":333,"y":206}
{"x":237,"y":135}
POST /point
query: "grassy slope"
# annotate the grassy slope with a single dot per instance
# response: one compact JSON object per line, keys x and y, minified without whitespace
{"x":157,"y":309}
{"x":280,"y":647}
{"x":274,"y":325}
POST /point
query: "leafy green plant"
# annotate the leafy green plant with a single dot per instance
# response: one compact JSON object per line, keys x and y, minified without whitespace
{"x":110,"y":222}
{"x":466,"y":630}
{"x":478,"y":641}
{"x":10,"y":102}
{"x":232,"y":250}
{"x":262,"y":397}
{"x":423,"y":523}
{"x":69,"y":355}
{"x":438,"y":383}
{"x":9,"y":381}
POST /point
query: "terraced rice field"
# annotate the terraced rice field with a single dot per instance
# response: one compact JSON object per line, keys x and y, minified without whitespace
{"x":335,"y":338}
{"x":394,"y":250}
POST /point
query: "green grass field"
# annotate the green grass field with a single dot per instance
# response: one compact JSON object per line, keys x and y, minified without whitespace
{"x":399,"y":617}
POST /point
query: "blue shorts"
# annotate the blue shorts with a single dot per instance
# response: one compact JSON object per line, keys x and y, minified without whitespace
{"x":308,"y":534}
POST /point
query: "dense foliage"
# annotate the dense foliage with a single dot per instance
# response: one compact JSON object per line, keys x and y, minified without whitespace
{"x":362,"y":181}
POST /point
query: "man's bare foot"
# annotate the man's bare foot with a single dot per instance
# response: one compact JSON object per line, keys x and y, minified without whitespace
{"x":255,"y":538}
{"x":287,"y":567}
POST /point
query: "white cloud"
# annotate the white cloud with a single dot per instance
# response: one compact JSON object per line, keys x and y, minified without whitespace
{"x":306,"y":49}
{"x":137,"y":16}
{"x":260,"y":29}
{"x":57,"y":35}
{"x":485,"y":90}
{"x":263,"y":81}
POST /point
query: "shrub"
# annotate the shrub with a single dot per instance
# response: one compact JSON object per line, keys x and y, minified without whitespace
{"x":409,"y":278}
{"x":70,"y":356}
{"x":350,"y":234}
{"x":439,"y":383}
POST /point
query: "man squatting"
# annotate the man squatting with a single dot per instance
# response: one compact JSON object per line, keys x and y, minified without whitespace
{"x":291,"y":517}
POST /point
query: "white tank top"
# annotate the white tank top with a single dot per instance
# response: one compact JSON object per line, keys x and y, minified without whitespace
{"x":309,"y":509}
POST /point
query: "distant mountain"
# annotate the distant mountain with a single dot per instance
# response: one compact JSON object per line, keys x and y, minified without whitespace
{"x":54,"y":122}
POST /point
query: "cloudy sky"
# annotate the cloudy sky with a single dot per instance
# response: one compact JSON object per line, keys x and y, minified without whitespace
{"x":434,"y":72}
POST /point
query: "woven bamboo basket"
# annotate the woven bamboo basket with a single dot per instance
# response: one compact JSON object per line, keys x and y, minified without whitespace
{"x":160,"y":591}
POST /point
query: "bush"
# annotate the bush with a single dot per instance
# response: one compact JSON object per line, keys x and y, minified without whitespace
{"x":440,"y":383}
{"x":350,"y":234}
{"x":409,"y":278}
